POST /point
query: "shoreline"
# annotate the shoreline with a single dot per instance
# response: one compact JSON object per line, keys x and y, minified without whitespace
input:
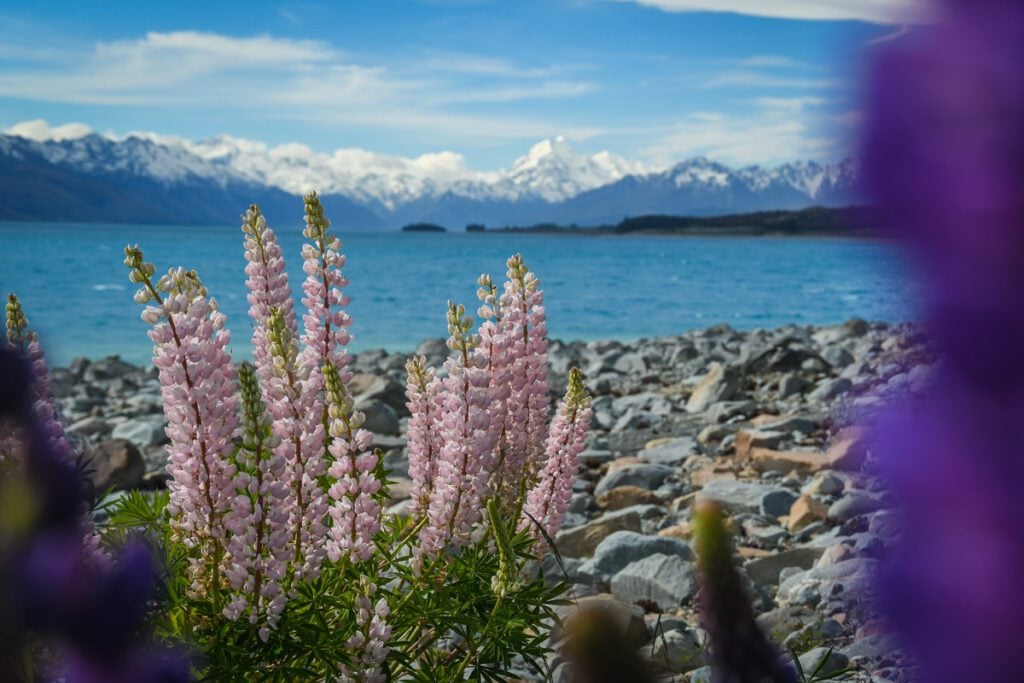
{"x":762,"y":423}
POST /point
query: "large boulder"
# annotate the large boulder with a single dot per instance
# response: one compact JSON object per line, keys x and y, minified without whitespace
{"x":144,"y":431}
{"x":668,"y":581}
{"x":622,"y":548}
{"x":719,"y":384}
{"x":115,"y":464}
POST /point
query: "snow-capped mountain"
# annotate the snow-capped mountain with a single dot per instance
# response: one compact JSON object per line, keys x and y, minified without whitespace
{"x":71,"y":173}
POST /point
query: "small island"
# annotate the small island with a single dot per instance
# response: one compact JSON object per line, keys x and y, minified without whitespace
{"x":424,"y":227}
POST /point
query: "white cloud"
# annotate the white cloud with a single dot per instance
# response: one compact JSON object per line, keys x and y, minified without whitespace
{"x":780,"y":130}
{"x":759,"y":79}
{"x":303,"y":80}
{"x":874,"y":11}
{"x":41,"y":131}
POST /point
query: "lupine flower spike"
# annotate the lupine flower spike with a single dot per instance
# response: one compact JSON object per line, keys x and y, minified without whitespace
{"x":467,"y":457}
{"x":198,"y":387}
{"x":355,"y":511}
{"x":424,"y":393}
{"x":369,"y":643}
{"x":547,"y":502}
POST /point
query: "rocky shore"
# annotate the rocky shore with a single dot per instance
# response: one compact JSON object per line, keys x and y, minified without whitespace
{"x":762,"y":422}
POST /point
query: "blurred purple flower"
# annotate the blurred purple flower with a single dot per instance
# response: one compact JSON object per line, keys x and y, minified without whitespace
{"x":944,"y":160}
{"x":50,"y":585}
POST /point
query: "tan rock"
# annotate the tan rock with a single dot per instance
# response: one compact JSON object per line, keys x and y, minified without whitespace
{"x":848,"y":449}
{"x":580,"y":541}
{"x":620,"y":463}
{"x":626,"y":496}
{"x":713,"y":472}
{"x":682,"y":531}
{"x":659,"y":442}
{"x":749,"y":439}
{"x":807,"y":462}
{"x":763,"y":419}
{"x":806,"y":510}
{"x":748,"y":553}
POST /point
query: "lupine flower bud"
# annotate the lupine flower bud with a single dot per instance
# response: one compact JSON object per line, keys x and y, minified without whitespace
{"x":547,"y":502}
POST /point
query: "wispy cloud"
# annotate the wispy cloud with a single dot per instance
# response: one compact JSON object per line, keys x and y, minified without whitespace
{"x":778,"y":130}
{"x":290,"y":79}
{"x":874,"y":11}
{"x":762,"y":79}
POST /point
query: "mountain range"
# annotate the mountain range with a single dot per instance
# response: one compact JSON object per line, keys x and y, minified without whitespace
{"x":149,"y":178}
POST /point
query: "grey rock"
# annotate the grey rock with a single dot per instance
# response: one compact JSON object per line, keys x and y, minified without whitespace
{"x":675,"y":651}
{"x":726,"y":410}
{"x":719,"y":384}
{"x":765,"y":571}
{"x":870,"y":647}
{"x":837,"y":356}
{"x":826,"y":484}
{"x":672,"y":453}
{"x":627,"y":619}
{"x":107,"y":368}
{"x":89,"y":426}
{"x":741,"y":496}
{"x":666,"y":580}
{"x":701,"y":675}
{"x":142,"y":431}
{"x":645,"y":476}
{"x":596,"y":456}
{"x":852,"y":573}
{"x":854,"y":505}
{"x":380,"y":417}
{"x":830,"y":389}
{"x":815,"y":660}
{"x":622,"y":548}
{"x":116,"y":464}
{"x":792,"y":385}
{"x":804,"y":425}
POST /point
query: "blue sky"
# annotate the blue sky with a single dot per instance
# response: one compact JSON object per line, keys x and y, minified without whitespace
{"x":655,"y":80}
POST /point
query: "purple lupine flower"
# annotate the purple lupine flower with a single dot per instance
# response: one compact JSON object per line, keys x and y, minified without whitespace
{"x":88,"y":612}
{"x":424,"y":393}
{"x":467,"y":454}
{"x":369,"y":643}
{"x":944,"y":162}
{"x":197,"y":382}
{"x":355,"y":511}
{"x":548,"y":500}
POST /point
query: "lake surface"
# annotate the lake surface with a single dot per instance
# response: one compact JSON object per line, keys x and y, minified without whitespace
{"x":77,"y":296}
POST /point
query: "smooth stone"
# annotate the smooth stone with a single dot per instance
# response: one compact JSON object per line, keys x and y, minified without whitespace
{"x":89,"y":426}
{"x":719,"y":384}
{"x":830,"y":389}
{"x":380,"y":417}
{"x":676,"y":651}
{"x":625,"y":618}
{"x":671,"y":452}
{"x":765,"y":571}
{"x":142,"y":431}
{"x":854,"y":505}
{"x":116,"y":464}
{"x":666,"y":580}
{"x":626,"y":496}
{"x":741,"y":496}
{"x":581,"y":541}
{"x":826,"y":484}
{"x":643,"y":475}
{"x":811,"y":661}
{"x":792,"y":385}
{"x":622,"y":548}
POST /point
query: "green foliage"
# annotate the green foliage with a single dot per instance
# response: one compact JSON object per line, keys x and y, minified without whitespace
{"x":449,"y":621}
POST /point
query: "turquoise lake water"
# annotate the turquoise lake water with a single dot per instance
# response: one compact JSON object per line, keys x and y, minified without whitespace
{"x":76,"y":291}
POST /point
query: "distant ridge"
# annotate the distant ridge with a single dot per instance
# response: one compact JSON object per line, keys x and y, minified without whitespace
{"x":146,"y":178}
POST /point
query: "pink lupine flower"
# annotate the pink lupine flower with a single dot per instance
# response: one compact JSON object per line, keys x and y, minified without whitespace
{"x":549,"y":499}
{"x":424,"y":393}
{"x":326,"y":323}
{"x":522,"y":321}
{"x":369,"y":643}
{"x":198,"y":387}
{"x":289,"y":391}
{"x":301,"y":434}
{"x":467,"y":455}
{"x":258,"y":549}
{"x":356,"y":511}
